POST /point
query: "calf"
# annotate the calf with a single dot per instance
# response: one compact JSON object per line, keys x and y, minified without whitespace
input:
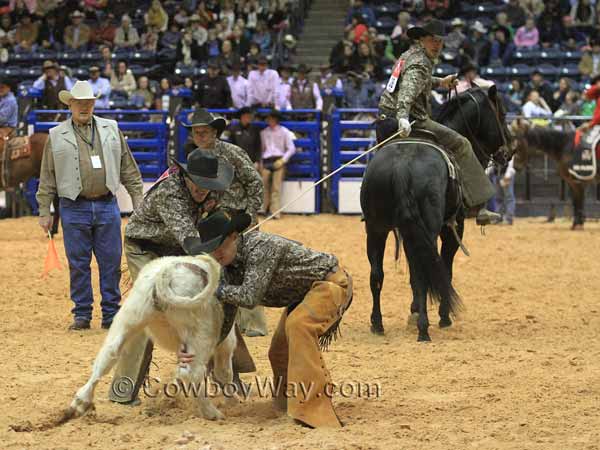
{"x":173,"y":301}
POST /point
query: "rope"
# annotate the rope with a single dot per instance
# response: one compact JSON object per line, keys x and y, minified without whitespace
{"x":310,"y":188}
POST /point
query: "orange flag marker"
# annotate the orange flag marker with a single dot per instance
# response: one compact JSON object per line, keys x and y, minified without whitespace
{"x":52,"y":261}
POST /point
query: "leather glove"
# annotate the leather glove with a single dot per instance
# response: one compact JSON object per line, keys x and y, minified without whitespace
{"x":404,"y":127}
{"x":278,"y":164}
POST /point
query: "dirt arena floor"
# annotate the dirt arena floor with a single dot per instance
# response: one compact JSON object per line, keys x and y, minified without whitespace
{"x":519,"y":370}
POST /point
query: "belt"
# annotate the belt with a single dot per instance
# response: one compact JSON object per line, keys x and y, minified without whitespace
{"x":99,"y":198}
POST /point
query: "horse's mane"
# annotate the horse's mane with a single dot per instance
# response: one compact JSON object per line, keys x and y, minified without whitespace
{"x":549,"y":140}
{"x":449,"y":108}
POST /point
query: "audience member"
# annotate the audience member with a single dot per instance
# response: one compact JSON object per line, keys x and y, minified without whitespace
{"x":559,"y":97}
{"x":262,"y":85}
{"x":51,"y":83}
{"x":26,"y":35}
{"x":78,"y":34}
{"x":479,"y":46}
{"x":126,"y":36}
{"x":156,"y":17}
{"x":238,"y":85}
{"x":51,"y":35}
{"x":122,"y":80}
{"x":284,"y":90}
{"x":536,"y":106}
{"x":105,"y":33}
{"x":539,"y":84}
{"x":590,"y":61}
{"x":305,"y":94}
{"x":515,"y":13}
{"x":143,"y":97}
{"x":582,"y":13}
{"x":246,"y":135}
{"x":360,"y":9}
{"x":100,"y":87}
{"x":213,"y":89}
{"x":528,"y":35}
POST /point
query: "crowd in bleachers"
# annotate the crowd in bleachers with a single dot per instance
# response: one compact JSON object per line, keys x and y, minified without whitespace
{"x":541,"y":54}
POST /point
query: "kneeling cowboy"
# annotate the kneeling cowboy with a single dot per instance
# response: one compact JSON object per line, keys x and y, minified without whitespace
{"x":407,"y":97}
{"x":167,"y":216}
{"x":268,"y":270}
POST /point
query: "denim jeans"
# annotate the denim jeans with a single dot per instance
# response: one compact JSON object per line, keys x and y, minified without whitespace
{"x":93,"y":226}
{"x":508,"y":203}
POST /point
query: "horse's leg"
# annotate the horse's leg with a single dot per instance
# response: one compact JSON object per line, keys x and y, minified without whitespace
{"x":375,"y":251}
{"x":56,"y":217}
{"x":419,"y":289}
{"x":578,"y":195}
{"x":449,"y":248}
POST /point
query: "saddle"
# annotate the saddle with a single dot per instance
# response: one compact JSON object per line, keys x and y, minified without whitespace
{"x":14,"y":148}
{"x":586,"y":151}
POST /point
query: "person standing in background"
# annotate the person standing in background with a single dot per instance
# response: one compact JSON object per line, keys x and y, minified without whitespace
{"x":246,"y":135}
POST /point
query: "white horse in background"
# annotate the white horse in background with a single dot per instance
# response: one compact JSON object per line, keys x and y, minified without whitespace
{"x":173,"y":301}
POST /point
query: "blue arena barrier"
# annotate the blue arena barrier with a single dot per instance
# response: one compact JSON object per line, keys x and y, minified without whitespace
{"x":345,"y":185}
{"x":303,"y":169}
{"x":149,"y":152}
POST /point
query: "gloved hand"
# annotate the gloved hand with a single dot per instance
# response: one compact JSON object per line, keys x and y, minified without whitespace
{"x":404,"y":127}
{"x":449,"y":81}
{"x":278,"y":164}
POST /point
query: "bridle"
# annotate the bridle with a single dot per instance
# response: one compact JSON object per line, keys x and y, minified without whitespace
{"x":487,"y":155}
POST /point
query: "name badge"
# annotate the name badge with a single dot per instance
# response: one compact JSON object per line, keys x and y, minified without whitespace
{"x":391,"y":84}
{"x":96,"y":162}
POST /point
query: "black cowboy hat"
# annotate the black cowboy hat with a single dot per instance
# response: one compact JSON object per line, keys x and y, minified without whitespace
{"x":245,"y":110}
{"x":430,"y":28}
{"x":262,"y":59}
{"x":275,"y":114}
{"x":202,"y":117}
{"x":213,"y":63}
{"x":214,"y":230}
{"x":207,"y":171}
{"x":5,"y":82}
{"x":303,"y":68}
{"x":468,"y":67}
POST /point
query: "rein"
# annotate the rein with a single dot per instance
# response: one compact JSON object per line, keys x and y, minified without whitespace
{"x":478,"y":145}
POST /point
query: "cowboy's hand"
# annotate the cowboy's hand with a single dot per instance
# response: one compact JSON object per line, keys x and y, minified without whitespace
{"x":45,"y":222}
{"x":278,"y":164}
{"x":449,"y":81}
{"x":585,"y":126}
{"x":404,"y":127}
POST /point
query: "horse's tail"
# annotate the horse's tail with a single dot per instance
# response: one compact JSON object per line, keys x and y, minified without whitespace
{"x":421,"y":243}
{"x":398,"y":238}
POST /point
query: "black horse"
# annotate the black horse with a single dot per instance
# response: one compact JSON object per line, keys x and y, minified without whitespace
{"x":405,"y":190}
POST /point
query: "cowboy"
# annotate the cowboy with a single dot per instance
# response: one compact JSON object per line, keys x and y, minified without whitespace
{"x":277,"y":149}
{"x":271,"y":271}
{"x":245,"y":192}
{"x":100,"y":86}
{"x":158,"y":227}
{"x":51,"y":83}
{"x":262,"y":85}
{"x":305,"y":93}
{"x":9,"y":110}
{"x":238,"y":85}
{"x":284,"y":88}
{"x":85,"y":159}
{"x":246,"y":135}
{"x":213,"y":88}
{"x":406,"y":99}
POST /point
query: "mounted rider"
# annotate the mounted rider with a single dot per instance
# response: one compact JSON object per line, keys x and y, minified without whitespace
{"x":406,"y":98}
{"x":8,"y":110}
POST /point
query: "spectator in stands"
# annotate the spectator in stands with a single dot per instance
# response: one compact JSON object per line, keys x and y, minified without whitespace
{"x":582,"y":13}
{"x":549,"y":31}
{"x":570,"y":107}
{"x":78,"y":34}
{"x":288,"y":52}
{"x":143,"y":97}
{"x":516,"y":14}
{"x":251,"y":11}
{"x":207,"y":17}
{"x":532,"y":8}
{"x":329,"y":84}
{"x":100,"y":87}
{"x":356,"y":29}
{"x":515,"y":96}
{"x":7,"y":32}
{"x":181,"y":16}
{"x":246,"y":135}
{"x":413,"y":7}
{"x":9,"y":110}
{"x":456,"y":38}
{"x":20,"y":7}
{"x":253,"y":56}
{"x":26,"y":35}
{"x":240,"y":42}
{"x":284,"y":90}
{"x":228,"y":13}
{"x":277,"y":148}
{"x":539,"y":84}
{"x":188,"y":50}
{"x":560,"y":95}
{"x":105,"y":33}
{"x":156,"y":17}
{"x":440,"y":9}
{"x":358,"y":91}
{"x":536,"y":106}
{"x":199,"y":33}
{"x":262,"y":37}
{"x":149,"y":40}
{"x":469,"y":78}
{"x":51,"y":34}
{"x":238,"y":85}
{"x":359,"y":8}
{"x":479,"y":47}
{"x":305,"y":94}
{"x":66,"y":73}
{"x":51,"y":83}
{"x":170,"y":38}
{"x":126,"y":36}
{"x":228,"y":56}
{"x":502,"y":21}
{"x":213,"y":90}
{"x":502,"y":48}
{"x":45,"y":7}
{"x":342,"y":56}
{"x":262,"y":85}
{"x":162,"y":94}
{"x":122,"y":80}
{"x":527,"y":36}
{"x":590,"y":61}
{"x":120,"y":8}
{"x":213,"y":44}
{"x":364,"y":56}
{"x":571,"y":36}
{"x":107,"y":62}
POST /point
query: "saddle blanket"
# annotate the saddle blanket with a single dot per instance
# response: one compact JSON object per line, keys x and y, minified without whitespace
{"x":18,"y":148}
{"x":586,"y":152}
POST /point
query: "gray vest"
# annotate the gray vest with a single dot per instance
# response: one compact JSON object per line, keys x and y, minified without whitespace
{"x":66,"y":156}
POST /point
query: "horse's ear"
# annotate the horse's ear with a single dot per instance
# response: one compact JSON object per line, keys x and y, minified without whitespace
{"x":492,"y":92}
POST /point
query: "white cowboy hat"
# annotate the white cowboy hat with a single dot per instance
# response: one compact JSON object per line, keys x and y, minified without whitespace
{"x":82,"y":90}
{"x":478,"y":26}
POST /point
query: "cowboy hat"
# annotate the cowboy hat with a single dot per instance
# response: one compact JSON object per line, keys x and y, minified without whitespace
{"x":275,"y":114}
{"x":303,"y":68}
{"x":207,"y":171}
{"x":201,"y":117}
{"x":77,"y":14}
{"x":457,"y":22}
{"x":478,"y":26}
{"x":48,"y":64}
{"x":430,"y":28}
{"x":82,"y":90}
{"x":215,"y":229}
{"x":245,"y":110}
{"x":289,"y":41}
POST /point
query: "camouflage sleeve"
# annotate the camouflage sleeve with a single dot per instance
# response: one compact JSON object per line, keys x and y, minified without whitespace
{"x":411,"y":86}
{"x":260,"y":267}
{"x":250,"y":179}
{"x":173,"y":210}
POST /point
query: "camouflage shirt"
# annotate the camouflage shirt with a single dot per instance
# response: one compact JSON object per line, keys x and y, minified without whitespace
{"x":408,"y":92}
{"x":246,"y":190}
{"x":272,"y":271}
{"x":168,"y":214}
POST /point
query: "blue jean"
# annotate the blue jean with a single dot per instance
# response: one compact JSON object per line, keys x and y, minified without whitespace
{"x":507,"y":200}
{"x":93,"y":226}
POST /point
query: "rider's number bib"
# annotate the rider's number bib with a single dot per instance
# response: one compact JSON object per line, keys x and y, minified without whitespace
{"x":391,"y":85}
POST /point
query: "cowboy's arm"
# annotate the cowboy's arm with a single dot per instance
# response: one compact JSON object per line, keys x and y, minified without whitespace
{"x":250,"y":179}
{"x":436,"y":82}
{"x":260,"y":268}
{"x":290,"y":148}
{"x":105,"y":89}
{"x":47,"y":188}
{"x":130,"y":175}
{"x":410,"y":88}
{"x":8,"y":114}
{"x":318,"y":98}
{"x":173,"y":210}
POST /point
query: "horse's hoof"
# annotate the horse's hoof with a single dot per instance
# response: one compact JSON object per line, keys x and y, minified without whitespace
{"x":445,"y":323}
{"x":424,"y":338}
{"x":412,"y":320}
{"x":377,"y":329}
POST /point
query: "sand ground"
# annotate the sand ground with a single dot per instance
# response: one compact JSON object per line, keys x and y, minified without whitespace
{"x":519,"y":370}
